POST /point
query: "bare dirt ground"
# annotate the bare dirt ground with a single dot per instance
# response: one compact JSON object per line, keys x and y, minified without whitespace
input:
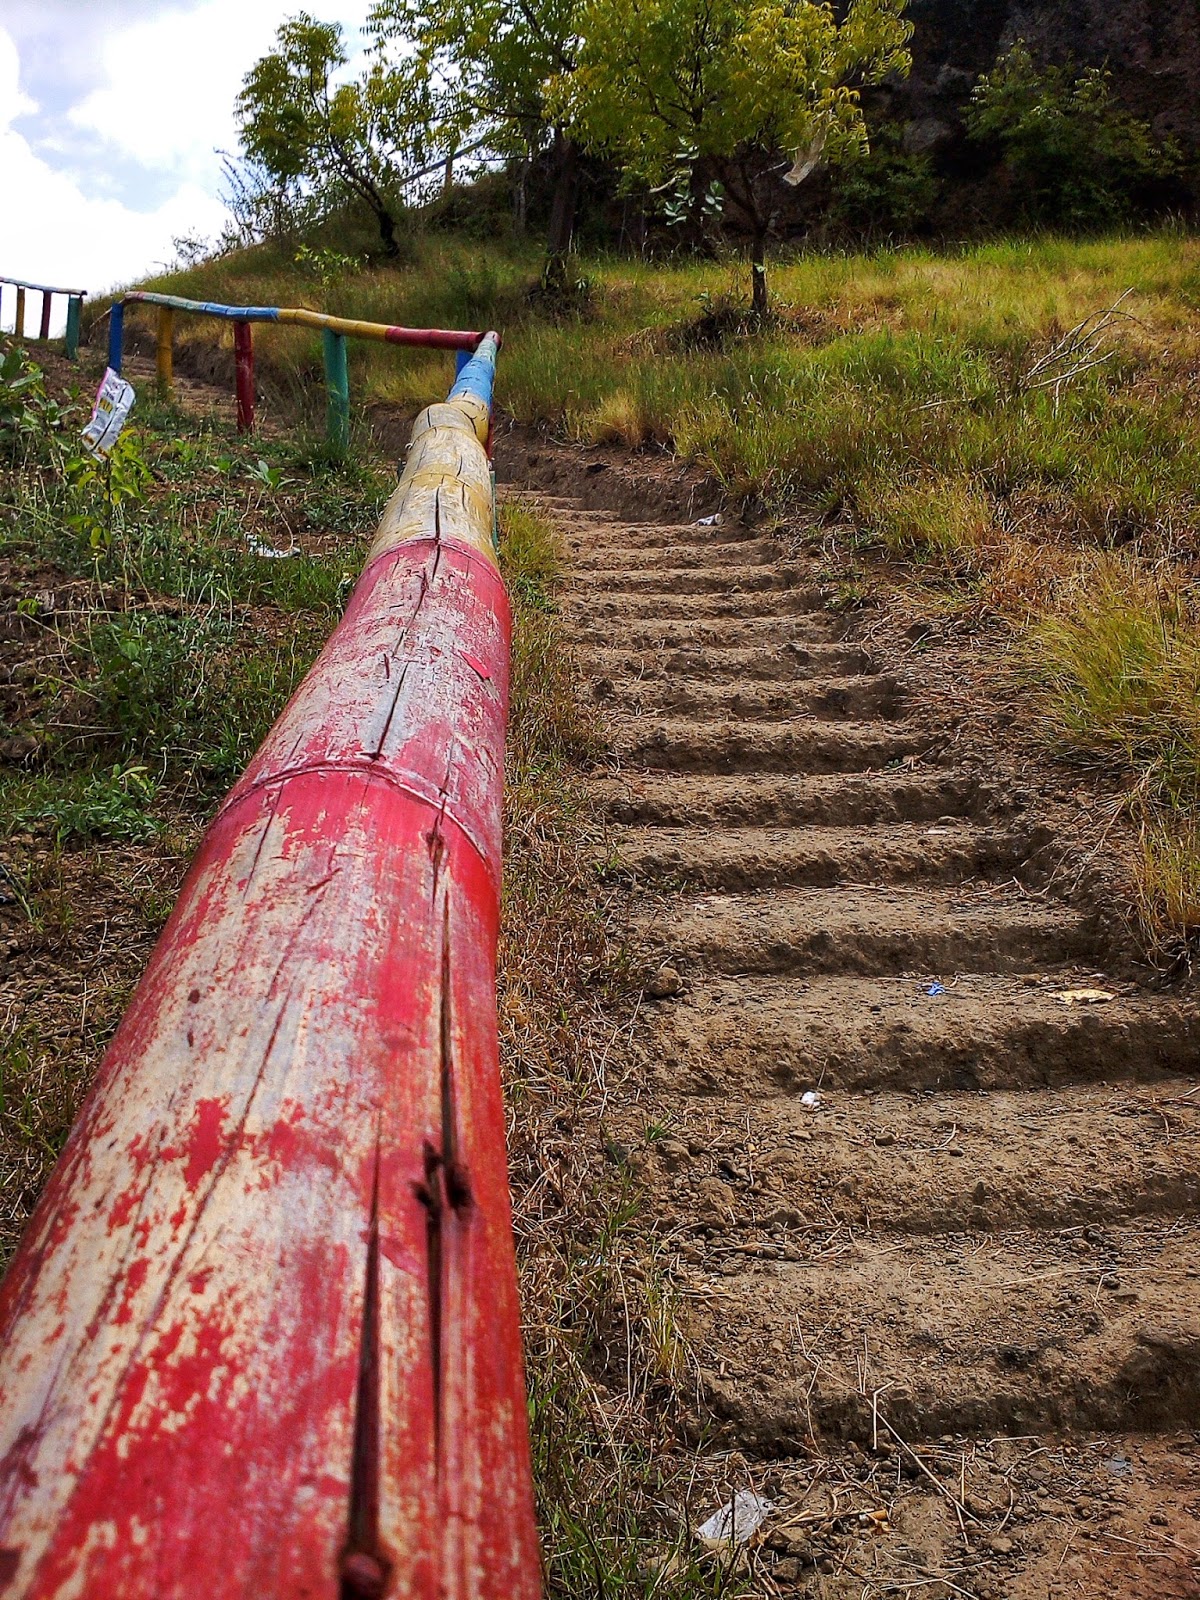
{"x":917,"y":1135}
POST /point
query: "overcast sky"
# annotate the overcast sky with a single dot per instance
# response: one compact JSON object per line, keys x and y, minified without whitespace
{"x":111,"y":112}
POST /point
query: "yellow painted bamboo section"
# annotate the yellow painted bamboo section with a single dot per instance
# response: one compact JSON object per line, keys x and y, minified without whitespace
{"x":446,"y":483}
{"x":164,"y":353}
{"x":19,"y":325}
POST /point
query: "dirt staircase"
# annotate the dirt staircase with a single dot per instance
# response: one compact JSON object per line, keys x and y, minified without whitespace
{"x":920,"y":1199}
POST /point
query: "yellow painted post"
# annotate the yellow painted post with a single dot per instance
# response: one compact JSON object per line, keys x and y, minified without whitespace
{"x":163,"y":352}
{"x":19,"y":326}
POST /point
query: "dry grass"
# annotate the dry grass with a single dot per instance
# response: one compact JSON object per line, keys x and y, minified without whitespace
{"x":1116,"y":655}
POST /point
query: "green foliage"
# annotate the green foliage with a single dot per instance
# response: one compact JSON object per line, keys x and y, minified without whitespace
{"x":326,"y":266}
{"x":109,"y":804}
{"x":1076,"y":158}
{"x":725,"y":85}
{"x":890,"y":191}
{"x":29,"y":418}
{"x":484,"y":63}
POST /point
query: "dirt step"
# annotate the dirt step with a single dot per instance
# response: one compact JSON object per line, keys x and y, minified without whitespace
{"x":728,"y":663}
{"x":583,"y":533}
{"x":756,"y":1036}
{"x":868,"y":931}
{"x":665,"y":606}
{"x":1015,"y":1335}
{"x":1080,"y":1156}
{"x":592,"y":556}
{"x":757,"y":747}
{"x":688,"y":580}
{"x":758,"y":800}
{"x":829,"y":698}
{"x":805,"y":630}
{"x":757,"y":858}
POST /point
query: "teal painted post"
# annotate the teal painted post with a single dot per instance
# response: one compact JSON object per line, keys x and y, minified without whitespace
{"x":74,"y":308}
{"x":337,"y":386}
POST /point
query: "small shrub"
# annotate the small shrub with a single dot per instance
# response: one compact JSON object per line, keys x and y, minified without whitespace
{"x":113,"y":804}
{"x":889,"y":191}
{"x":1075,"y":157}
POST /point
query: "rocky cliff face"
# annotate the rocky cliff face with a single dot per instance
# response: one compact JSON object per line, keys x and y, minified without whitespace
{"x":1151,"y":46}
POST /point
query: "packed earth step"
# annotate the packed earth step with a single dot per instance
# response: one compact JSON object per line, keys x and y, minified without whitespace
{"x":757,"y":858}
{"x":966,"y":1031}
{"x":804,"y":932}
{"x":832,"y":699}
{"x":919,"y":1142}
{"x":1005,"y":1333}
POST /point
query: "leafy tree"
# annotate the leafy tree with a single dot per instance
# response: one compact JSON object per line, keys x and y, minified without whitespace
{"x":1075,"y":156}
{"x":724,"y":86}
{"x":484,"y":65}
{"x":310,"y":136}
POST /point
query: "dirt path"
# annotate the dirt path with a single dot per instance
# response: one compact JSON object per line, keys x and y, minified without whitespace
{"x":959,"y":1290}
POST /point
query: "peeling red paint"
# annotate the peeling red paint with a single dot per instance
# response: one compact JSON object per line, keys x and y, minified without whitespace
{"x":312,"y":1046}
{"x":205,"y":1145}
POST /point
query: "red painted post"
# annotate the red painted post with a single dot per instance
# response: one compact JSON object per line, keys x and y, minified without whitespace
{"x":260,"y":1341}
{"x":44,"y":330}
{"x":243,"y":355}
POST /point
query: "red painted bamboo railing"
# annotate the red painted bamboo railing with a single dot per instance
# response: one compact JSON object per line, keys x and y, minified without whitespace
{"x":261,"y":1336}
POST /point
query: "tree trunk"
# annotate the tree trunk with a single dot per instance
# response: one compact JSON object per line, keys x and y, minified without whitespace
{"x":521,"y":198}
{"x":562,"y":209}
{"x":387,"y":230}
{"x":758,"y":274}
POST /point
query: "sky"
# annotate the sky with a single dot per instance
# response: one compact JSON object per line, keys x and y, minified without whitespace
{"x":111,"y":117}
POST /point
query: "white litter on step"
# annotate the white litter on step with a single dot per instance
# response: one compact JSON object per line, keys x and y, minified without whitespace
{"x":1086,"y":997}
{"x":710,"y":522}
{"x":738,"y":1521}
{"x":810,"y":1100}
{"x":257,"y":548}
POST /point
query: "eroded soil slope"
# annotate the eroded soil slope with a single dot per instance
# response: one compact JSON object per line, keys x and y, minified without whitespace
{"x":918,"y":1139}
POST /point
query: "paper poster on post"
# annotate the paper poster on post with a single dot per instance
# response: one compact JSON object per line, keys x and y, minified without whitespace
{"x":114,"y":402}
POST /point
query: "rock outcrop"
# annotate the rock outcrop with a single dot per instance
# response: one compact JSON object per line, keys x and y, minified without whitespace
{"x":1151,"y":46}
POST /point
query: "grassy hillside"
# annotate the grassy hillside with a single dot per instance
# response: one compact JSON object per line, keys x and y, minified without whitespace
{"x":1017,"y":420}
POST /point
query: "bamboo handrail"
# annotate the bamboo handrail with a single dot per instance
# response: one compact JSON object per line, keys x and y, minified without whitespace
{"x":260,"y":1340}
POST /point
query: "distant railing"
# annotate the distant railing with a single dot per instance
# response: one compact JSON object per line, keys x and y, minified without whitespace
{"x":336,"y":330}
{"x":75,"y":299}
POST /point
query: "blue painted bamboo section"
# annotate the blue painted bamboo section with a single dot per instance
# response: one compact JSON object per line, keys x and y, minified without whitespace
{"x":116,"y":335}
{"x":478,"y":377}
{"x":206,"y":308}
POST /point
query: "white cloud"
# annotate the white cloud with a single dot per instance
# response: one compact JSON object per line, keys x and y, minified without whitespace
{"x":52,"y":232}
{"x":95,"y":192}
{"x":171,"y":82}
{"x":13,"y":103}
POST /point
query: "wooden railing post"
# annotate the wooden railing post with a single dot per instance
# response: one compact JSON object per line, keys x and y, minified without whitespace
{"x":116,"y":335}
{"x":19,"y":324}
{"x":243,"y":355}
{"x":337,"y":388}
{"x":47,"y":301}
{"x":74,"y":311}
{"x":164,"y":352}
